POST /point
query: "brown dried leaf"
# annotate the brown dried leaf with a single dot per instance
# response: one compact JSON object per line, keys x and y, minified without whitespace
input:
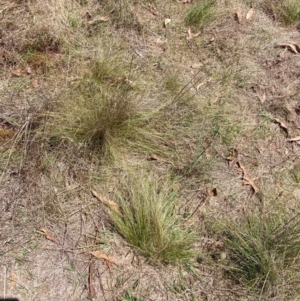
{"x":99,"y":19}
{"x":249,"y":181}
{"x":6,"y":133}
{"x":246,"y":179}
{"x":233,"y":157}
{"x":18,"y":72}
{"x":212,"y":192}
{"x":282,"y":125}
{"x":186,"y":1}
{"x":111,"y":204}
{"x":157,"y":158}
{"x":192,"y":35}
{"x":153,"y":10}
{"x":207,"y":143}
{"x":197,"y":65}
{"x":293,"y":47}
{"x":107,"y":258}
{"x":12,"y":282}
{"x":250,"y":13}
{"x":297,"y":138}
{"x":238,"y":15}
{"x":199,"y":86}
{"x":48,"y":236}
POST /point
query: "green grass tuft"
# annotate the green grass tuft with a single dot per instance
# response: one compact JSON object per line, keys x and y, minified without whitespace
{"x":201,"y":14}
{"x":150,"y":222}
{"x":262,"y":249}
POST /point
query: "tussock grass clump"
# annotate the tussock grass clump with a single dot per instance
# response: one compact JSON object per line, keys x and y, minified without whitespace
{"x":102,"y":111}
{"x":149,"y":220}
{"x":287,"y":11}
{"x":202,"y":14}
{"x":263,"y":249}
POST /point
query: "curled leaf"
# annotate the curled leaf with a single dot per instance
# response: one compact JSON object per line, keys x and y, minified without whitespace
{"x":282,"y":125}
{"x":292,"y":47}
{"x":192,"y":35}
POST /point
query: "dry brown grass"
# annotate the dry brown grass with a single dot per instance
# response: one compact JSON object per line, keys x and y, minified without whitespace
{"x":170,"y":119}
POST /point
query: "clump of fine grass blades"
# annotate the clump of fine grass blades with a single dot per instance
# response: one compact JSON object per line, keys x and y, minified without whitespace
{"x":285,"y":11}
{"x":102,"y":111}
{"x":150,"y":221}
{"x":201,"y":14}
{"x":263,"y":250}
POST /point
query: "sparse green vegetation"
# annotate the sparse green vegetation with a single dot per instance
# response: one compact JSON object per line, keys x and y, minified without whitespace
{"x":149,"y":220}
{"x":201,"y":14}
{"x":261,"y":249}
{"x":182,"y":112}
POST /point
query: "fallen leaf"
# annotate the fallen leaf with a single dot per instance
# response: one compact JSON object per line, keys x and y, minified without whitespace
{"x":157,"y":158}
{"x":241,"y":166}
{"x":207,"y":147}
{"x":12,"y":282}
{"x":293,"y":47}
{"x":153,"y":10}
{"x":249,"y":181}
{"x":48,"y":236}
{"x":199,"y":86}
{"x":186,"y":1}
{"x":233,"y":157}
{"x":250,"y":13}
{"x":166,"y":22}
{"x":282,"y":125}
{"x":262,"y":98}
{"x":99,"y":19}
{"x":283,"y":52}
{"x":197,"y":65}
{"x":192,"y":35}
{"x":18,"y":72}
{"x":35,"y":83}
{"x":294,"y":139}
{"x":238,"y":15}
{"x":6,"y":133}
{"x":107,"y":258}
{"x":246,"y":179}
{"x":211,"y":192}
{"x":111,"y":204}
{"x":28,"y":70}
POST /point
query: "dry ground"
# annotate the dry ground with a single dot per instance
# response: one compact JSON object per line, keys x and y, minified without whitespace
{"x":242,"y":99}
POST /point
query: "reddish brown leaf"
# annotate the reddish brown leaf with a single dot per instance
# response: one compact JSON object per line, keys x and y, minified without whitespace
{"x":18,"y":72}
{"x":157,"y":158}
{"x":48,"y":236}
{"x":107,"y":258}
